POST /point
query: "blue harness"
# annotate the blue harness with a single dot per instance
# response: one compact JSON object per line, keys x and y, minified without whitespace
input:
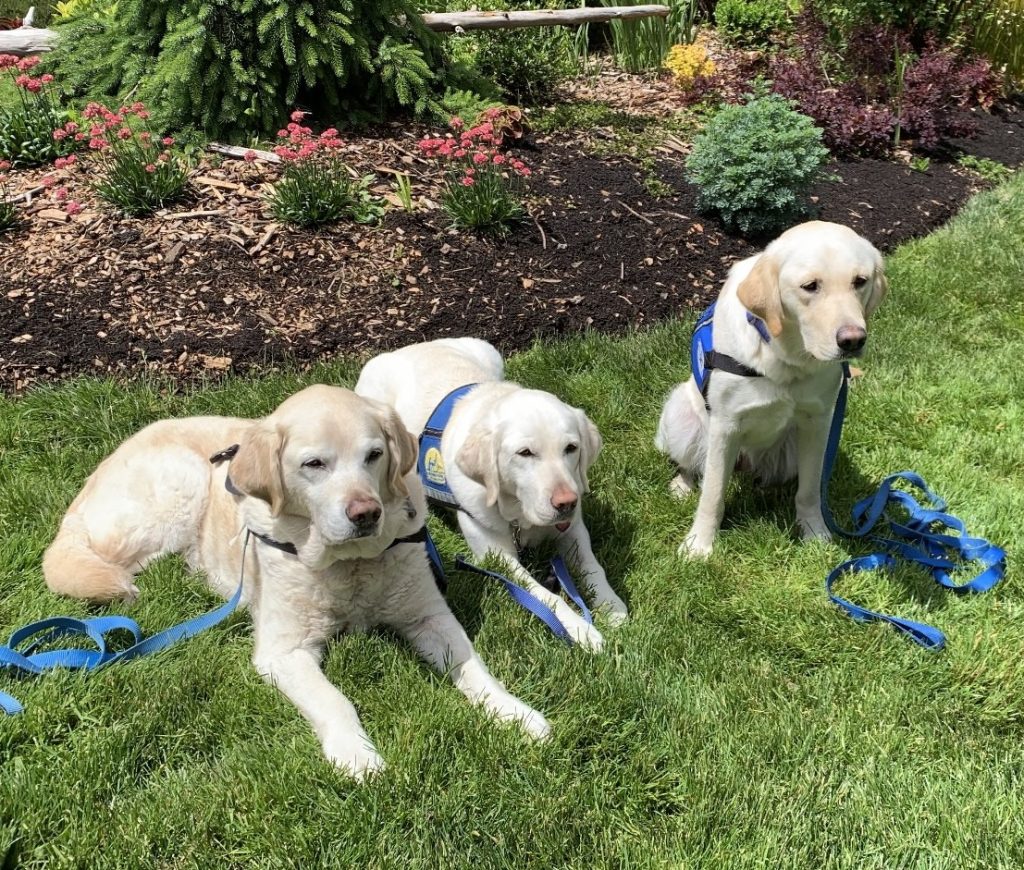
{"x":430,"y":466}
{"x":923,"y":537}
{"x":704,"y":358}
{"x":45,"y":631}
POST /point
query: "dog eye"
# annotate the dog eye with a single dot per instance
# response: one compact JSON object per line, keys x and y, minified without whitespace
{"x":810,"y":286}
{"x":572,"y":448}
{"x":860,"y":281}
{"x":313,"y":463}
{"x":374,"y":455}
{"x":526,"y":453}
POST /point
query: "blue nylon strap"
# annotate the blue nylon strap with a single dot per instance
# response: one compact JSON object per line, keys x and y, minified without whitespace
{"x":529,"y":602}
{"x":921,"y":537}
{"x":523,"y":598}
{"x":96,"y":629}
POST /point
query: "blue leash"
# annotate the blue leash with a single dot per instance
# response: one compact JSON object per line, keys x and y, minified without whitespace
{"x":923,"y":538}
{"x":529,"y":602}
{"x":96,"y":630}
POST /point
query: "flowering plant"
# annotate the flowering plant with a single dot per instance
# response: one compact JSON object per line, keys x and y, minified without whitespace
{"x":688,"y":63}
{"x":7,"y":213}
{"x":25,"y":127}
{"x":137,"y":171}
{"x":316,"y":186}
{"x":481,"y":186}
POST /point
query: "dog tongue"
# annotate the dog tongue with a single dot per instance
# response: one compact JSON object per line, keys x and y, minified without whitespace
{"x":563,"y":526}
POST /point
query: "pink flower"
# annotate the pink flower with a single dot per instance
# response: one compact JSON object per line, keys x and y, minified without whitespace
{"x":144,"y":115}
{"x":72,"y":208}
{"x":60,"y":163}
{"x":124,"y":133}
{"x":168,"y":141}
{"x":8,"y":61}
{"x":249,"y":156}
{"x":60,"y":134}
{"x":467,"y":181}
{"x":60,"y":194}
{"x":70,"y":160}
{"x":456,"y":123}
{"x":5,"y":164}
{"x":46,"y":78}
{"x":47,"y":181}
{"x":79,"y":137}
{"x":479,"y":158}
{"x":150,"y":168}
{"x":297,"y":116}
{"x":27,"y":63}
{"x":163,"y":157}
{"x":71,"y":127}
{"x":282,"y":134}
{"x":460,"y":152}
{"x":145,"y":135}
{"x":498,"y":159}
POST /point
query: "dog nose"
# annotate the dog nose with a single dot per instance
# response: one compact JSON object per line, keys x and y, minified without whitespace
{"x":363,"y":512}
{"x":851,"y":339}
{"x":564,"y":500}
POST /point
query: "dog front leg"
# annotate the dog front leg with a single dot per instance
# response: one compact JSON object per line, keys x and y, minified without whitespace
{"x":296,"y":672}
{"x":723,"y":449}
{"x":811,"y":441}
{"x":574,"y":543}
{"x":483,"y":540}
{"x":442,"y":643}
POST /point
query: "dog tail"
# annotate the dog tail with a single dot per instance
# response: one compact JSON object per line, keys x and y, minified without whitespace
{"x":73,"y":567}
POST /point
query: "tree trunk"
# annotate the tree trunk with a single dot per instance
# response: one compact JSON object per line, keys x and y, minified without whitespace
{"x":501,"y":20}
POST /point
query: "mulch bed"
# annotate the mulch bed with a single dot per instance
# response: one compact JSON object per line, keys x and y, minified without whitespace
{"x":214,"y":286}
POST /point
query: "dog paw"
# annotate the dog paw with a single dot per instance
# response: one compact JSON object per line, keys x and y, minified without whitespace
{"x":511,"y":710}
{"x":813,"y":529}
{"x":584,"y":634}
{"x":694,"y":547}
{"x":614,"y":612}
{"x":680,"y":486}
{"x":354,"y":756}
{"x":130,"y":594}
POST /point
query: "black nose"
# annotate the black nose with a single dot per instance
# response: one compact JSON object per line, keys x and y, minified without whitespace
{"x":363,"y":512}
{"x":851,"y":339}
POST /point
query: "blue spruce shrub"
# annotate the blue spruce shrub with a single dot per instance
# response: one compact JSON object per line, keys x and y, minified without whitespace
{"x":754,"y":163}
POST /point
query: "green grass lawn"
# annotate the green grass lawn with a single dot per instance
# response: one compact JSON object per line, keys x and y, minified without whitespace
{"x":737,"y":719}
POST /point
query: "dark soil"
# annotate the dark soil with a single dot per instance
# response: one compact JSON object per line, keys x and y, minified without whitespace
{"x":189,"y":296}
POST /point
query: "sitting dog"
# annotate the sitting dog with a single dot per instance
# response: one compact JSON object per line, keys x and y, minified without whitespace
{"x":327,"y":486}
{"x":516,"y":460}
{"x":784,"y":322}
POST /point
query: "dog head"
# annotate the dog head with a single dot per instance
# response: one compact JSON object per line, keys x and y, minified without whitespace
{"x":331,"y":457}
{"x":818,"y":284}
{"x":531,"y":452}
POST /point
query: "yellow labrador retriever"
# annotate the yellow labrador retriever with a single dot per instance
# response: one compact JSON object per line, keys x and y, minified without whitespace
{"x":330,"y":474}
{"x":515,"y":459}
{"x":789,"y":315}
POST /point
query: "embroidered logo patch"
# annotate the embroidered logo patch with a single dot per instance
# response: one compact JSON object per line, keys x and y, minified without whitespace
{"x":433,"y":466}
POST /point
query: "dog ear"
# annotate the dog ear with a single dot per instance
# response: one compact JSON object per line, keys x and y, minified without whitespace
{"x":402,"y":450}
{"x":256,"y":468}
{"x":590,"y":446}
{"x":879,"y":288}
{"x":478,"y":460}
{"x":760,"y":293}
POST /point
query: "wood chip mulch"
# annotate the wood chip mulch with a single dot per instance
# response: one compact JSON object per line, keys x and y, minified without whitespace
{"x":214,"y":285}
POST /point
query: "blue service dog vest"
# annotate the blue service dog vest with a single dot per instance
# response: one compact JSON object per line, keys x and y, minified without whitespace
{"x":430,"y":463}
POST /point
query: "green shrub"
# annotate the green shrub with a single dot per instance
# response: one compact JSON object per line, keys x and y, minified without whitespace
{"x":750,"y":23}
{"x":235,"y":67}
{"x":754,"y":164}
{"x":316,"y":186}
{"x":917,"y":17}
{"x":527,"y":64}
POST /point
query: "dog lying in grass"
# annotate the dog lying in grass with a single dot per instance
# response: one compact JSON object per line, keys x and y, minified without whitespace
{"x":329,"y":473}
{"x":789,"y":316}
{"x":516,"y":460}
